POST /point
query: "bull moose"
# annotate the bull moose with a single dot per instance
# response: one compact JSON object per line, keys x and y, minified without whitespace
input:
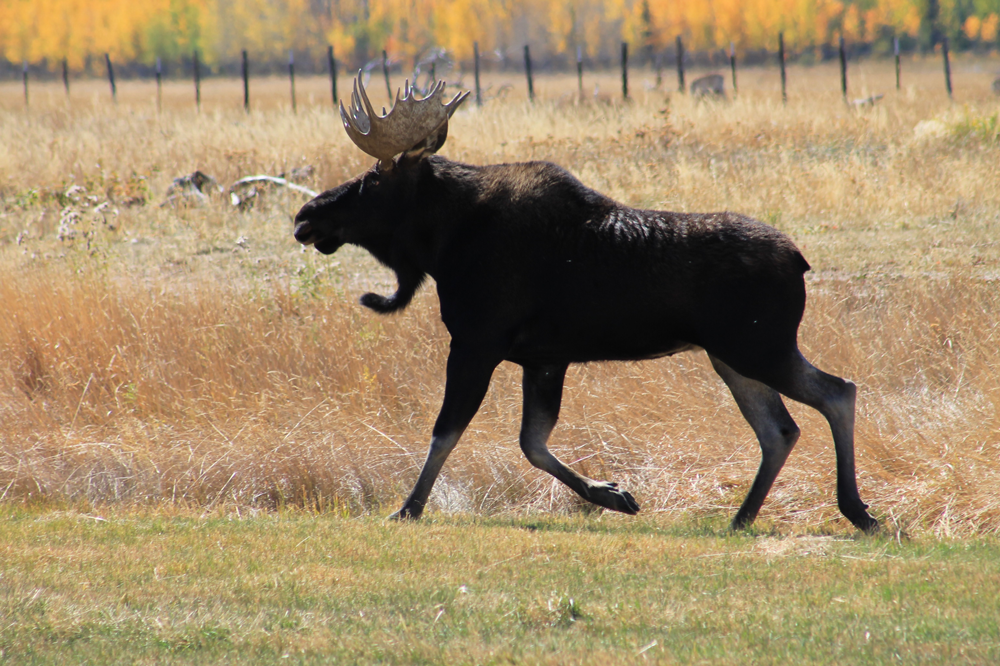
{"x":535,"y":268}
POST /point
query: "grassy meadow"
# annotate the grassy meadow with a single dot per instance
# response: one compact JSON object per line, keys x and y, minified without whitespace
{"x":200,"y":428}
{"x":296,"y":587}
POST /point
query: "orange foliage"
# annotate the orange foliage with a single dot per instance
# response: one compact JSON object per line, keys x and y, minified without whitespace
{"x":46,"y":31}
{"x":988,"y":30}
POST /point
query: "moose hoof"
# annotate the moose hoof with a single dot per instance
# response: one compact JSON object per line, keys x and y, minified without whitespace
{"x":866,"y":523}
{"x":404,"y":514}
{"x":741,"y":523}
{"x":860,"y":518}
{"x":608,"y":496}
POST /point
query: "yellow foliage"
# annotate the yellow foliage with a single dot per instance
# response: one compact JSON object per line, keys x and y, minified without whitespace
{"x":988,"y":31}
{"x":40,"y":31}
{"x":902,"y":16}
{"x":972,"y":27}
{"x":460,"y":24}
{"x":851,"y":28}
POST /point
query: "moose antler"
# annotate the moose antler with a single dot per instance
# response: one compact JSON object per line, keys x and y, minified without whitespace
{"x":408,"y":122}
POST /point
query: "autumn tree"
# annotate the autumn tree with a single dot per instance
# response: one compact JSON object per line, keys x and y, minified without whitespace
{"x":46,"y":31}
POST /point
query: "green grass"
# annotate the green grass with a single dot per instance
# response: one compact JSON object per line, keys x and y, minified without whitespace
{"x":292,"y":587}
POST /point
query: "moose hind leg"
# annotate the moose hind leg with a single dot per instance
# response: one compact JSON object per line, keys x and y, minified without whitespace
{"x":835,"y":399}
{"x":777,"y":433}
{"x":542,"y":398}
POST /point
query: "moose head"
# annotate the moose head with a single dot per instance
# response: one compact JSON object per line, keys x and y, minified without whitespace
{"x":400,"y":140}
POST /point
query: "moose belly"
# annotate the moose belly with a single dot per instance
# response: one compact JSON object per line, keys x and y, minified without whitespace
{"x":596,"y":340}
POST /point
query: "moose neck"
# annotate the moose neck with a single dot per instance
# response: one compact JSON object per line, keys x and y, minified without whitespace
{"x":433,"y":200}
{"x":411,"y":233}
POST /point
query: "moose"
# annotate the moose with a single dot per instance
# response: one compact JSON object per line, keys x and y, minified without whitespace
{"x":535,"y":268}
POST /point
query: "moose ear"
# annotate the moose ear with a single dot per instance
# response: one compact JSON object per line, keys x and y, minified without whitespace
{"x":426,"y":147}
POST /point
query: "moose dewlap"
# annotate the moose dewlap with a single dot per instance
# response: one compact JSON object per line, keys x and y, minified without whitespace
{"x":534,"y":268}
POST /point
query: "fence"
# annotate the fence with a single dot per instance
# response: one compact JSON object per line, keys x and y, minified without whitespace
{"x":427,"y":67}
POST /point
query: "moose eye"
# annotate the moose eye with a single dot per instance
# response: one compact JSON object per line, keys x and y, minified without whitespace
{"x":371,"y":179}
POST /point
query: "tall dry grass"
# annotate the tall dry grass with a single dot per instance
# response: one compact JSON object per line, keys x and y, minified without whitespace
{"x":196,"y":355}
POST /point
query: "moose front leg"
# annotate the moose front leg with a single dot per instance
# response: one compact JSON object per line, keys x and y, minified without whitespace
{"x":469,"y":372}
{"x":543,"y":387}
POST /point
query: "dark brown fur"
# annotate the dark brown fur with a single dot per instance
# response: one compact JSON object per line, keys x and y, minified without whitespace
{"x":535,"y":268}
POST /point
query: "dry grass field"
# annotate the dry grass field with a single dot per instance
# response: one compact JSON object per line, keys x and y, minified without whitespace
{"x":196,"y":356}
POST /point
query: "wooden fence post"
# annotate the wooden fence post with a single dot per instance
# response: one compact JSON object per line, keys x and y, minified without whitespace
{"x":159,"y":86}
{"x":732,"y":65}
{"x":197,"y":80}
{"x":246,"y":82}
{"x":947,"y":66}
{"x":65,"y":69}
{"x":111,"y":78}
{"x":25,"y":76}
{"x":895,"y":51}
{"x":332,"y":64}
{"x":527,"y":72}
{"x":680,"y":65}
{"x":479,"y":92}
{"x":781,"y":60}
{"x":579,"y":71}
{"x":624,"y":70}
{"x":843,"y":69}
{"x":291,"y":77}
{"x":385,"y":73}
